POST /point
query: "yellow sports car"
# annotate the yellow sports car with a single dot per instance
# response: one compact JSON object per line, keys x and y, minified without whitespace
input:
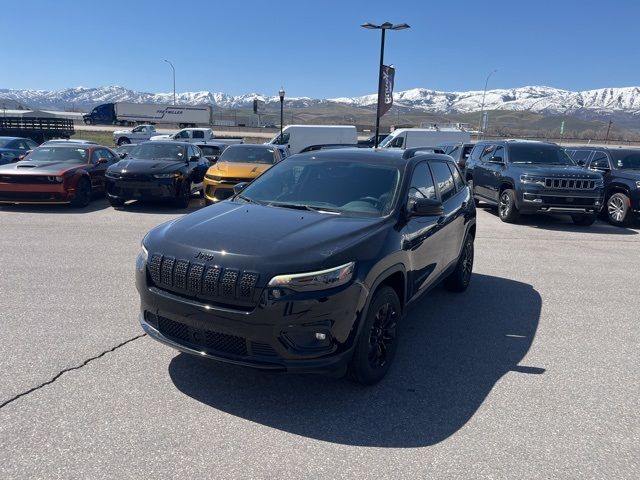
{"x":238,"y":163}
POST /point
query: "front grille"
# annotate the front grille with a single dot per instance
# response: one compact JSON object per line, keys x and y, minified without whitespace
{"x":197,"y":280}
{"x":26,"y":179}
{"x":570,"y":183}
{"x":569,"y":201}
{"x":29,"y":196}
{"x":207,"y":339}
{"x":263,"y":349}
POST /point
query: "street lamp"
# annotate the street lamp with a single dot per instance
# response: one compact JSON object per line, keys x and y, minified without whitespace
{"x":281,"y":93}
{"x":384,"y":27}
{"x":481,"y":129}
{"x":174,"y":80}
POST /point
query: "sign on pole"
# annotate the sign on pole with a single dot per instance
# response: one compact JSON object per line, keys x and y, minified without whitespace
{"x":562,"y":128}
{"x":385,"y":96}
{"x":485,"y":120}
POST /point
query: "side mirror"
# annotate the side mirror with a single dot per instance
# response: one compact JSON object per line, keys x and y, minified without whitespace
{"x":497,"y":160}
{"x":123,"y":155}
{"x":102,"y":161}
{"x":425,"y":207}
{"x":238,"y":187}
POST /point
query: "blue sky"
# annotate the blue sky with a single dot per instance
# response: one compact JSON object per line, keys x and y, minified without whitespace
{"x":316,"y":48}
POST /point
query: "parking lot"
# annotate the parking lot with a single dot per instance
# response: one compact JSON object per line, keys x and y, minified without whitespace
{"x":532,"y":373}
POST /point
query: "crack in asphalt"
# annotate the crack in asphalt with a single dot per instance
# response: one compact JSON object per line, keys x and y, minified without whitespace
{"x":77,"y":367}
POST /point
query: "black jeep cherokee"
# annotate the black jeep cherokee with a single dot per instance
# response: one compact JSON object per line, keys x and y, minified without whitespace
{"x":621,"y":170}
{"x":311,"y":266}
{"x":525,"y":177}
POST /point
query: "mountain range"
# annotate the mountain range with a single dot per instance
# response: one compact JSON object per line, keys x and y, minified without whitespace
{"x":545,"y":100}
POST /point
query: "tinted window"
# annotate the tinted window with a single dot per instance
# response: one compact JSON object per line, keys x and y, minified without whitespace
{"x":198,"y":134}
{"x":467,"y":151}
{"x":538,"y":154}
{"x":31,"y":144}
{"x":477,"y":151}
{"x":248,"y":154}
{"x":59,"y":154}
{"x":327,"y":184}
{"x":444,"y":180}
{"x":580,"y":155}
{"x":183,"y":134}
{"x":487,"y":153}
{"x":626,"y":158}
{"x":457,"y":178}
{"x":422,"y":183}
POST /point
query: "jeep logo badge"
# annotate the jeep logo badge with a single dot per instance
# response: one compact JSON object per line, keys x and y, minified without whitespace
{"x":207,"y":257}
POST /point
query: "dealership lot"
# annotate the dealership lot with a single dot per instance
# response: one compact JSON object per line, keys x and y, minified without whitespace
{"x":532,"y":373}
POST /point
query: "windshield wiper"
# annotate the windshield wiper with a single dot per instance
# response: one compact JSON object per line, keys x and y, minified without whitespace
{"x":247,"y":199}
{"x":298,"y":206}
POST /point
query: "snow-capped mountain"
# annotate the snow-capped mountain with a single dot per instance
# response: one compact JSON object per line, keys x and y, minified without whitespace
{"x":546,"y":100}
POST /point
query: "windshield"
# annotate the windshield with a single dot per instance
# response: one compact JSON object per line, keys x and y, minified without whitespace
{"x":626,"y":159}
{"x":332,"y":186}
{"x":539,"y":155}
{"x":246,"y":154}
{"x":159,"y":151}
{"x":278,"y":141}
{"x":209,"y":151}
{"x":5,"y":141}
{"x":59,"y":154}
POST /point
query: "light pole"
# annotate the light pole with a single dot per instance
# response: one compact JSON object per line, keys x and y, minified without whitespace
{"x":484,"y":93}
{"x":174,"y":80}
{"x":384,"y":27}
{"x":281,"y":93}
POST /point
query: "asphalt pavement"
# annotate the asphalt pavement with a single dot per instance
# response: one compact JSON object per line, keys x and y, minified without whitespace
{"x":531,"y":373}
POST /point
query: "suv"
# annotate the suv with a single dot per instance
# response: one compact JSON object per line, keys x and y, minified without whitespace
{"x":525,"y":177}
{"x":305,"y":270}
{"x":458,"y":151}
{"x":621,"y":170}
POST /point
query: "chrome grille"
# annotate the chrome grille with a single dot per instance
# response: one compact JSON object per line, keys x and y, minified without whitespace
{"x":570,"y":183}
{"x":196,"y":279}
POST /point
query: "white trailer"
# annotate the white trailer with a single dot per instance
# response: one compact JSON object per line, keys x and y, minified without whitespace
{"x":298,"y":137}
{"x":423,"y":137}
{"x":184,"y":115}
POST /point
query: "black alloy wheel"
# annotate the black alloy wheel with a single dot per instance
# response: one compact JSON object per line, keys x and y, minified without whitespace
{"x":184,"y":195}
{"x":507,"y":210}
{"x":459,"y":279}
{"x":83,"y":194}
{"x":378,"y":339}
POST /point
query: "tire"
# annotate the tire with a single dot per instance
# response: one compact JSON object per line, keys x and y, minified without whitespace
{"x":123,"y":141}
{"x":507,"y":210}
{"x":459,"y":279}
{"x":585,"y":220}
{"x":184,"y":196}
{"x":618,"y":210}
{"x":377,"y":343}
{"x":116,"y":202}
{"x":82,"y":197}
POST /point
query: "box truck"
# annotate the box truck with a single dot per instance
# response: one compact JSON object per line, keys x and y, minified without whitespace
{"x":124,"y":113}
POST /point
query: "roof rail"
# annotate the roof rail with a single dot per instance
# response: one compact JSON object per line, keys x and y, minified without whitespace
{"x":412,"y":152}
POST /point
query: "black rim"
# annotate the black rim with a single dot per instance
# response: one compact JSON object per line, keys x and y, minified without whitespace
{"x":382,"y":336}
{"x":467,"y":262}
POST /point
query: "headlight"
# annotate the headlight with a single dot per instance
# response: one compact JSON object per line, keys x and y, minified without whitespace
{"x":532,"y":180}
{"x":54,"y":179}
{"x":320,"y":280}
{"x":167,"y":175}
{"x":141,"y":259}
{"x":214,"y":177}
{"x":638,"y":184}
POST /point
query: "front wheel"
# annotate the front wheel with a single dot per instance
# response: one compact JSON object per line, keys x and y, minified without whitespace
{"x":459,"y":279}
{"x":83,"y":194}
{"x":184,"y":196}
{"x":507,"y":210}
{"x":116,"y":202}
{"x":619,"y":210}
{"x":377,"y":343}
{"x":584,"y":220}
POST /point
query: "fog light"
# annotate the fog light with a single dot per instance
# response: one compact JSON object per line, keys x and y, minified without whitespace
{"x":321,"y":336}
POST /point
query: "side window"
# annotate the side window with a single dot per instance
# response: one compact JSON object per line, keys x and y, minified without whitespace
{"x":580,"y":155}
{"x":107,"y":154}
{"x":397,"y":142}
{"x":198,"y":134}
{"x":476,"y":152}
{"x":31,"y":144}
{"x":183,"y":134}
{"x":599,"y":160}
{"x":95,"y":155}
{"x":457,"y":178}
{"x":453,"y":152}
{"x":444,"y":180}
{"x":466,"y":152}
{"x":487,"y":153}
{"x":422,"y":183}
{"x":499,"y":152}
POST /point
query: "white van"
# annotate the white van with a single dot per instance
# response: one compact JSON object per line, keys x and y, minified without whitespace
{"x":298,"y":137}
{"x":421,"y":137}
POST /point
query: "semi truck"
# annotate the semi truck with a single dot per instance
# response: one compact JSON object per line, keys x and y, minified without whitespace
{"x":124,"y":113}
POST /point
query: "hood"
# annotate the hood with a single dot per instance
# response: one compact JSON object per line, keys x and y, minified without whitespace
{"x":160,"y":137}
{"x":557,"y":171}
{"x":133,"y":165}
{"x":121,"y":132}
{"x":238,"y":170}
{"x":26,"y":167}
{"x":267,"y":240}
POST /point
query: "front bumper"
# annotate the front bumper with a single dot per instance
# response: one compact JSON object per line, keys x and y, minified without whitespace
{"x":35,"y":193}
{"x":160,"y":189}
{"x":537,"y":199}
{"x":277,"y":334}
{"x":218,"y":190}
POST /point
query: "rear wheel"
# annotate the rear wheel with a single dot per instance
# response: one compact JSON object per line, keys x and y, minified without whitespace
{"x":123,"y":141}
{"x":459,"y":279}
{"x":377,"y":343}
{"x":116,"y":202}
{"x":618,"y":210}
{"x":507,"y":210}
{"x":83,"y":194}
{"x":584,"y":220}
